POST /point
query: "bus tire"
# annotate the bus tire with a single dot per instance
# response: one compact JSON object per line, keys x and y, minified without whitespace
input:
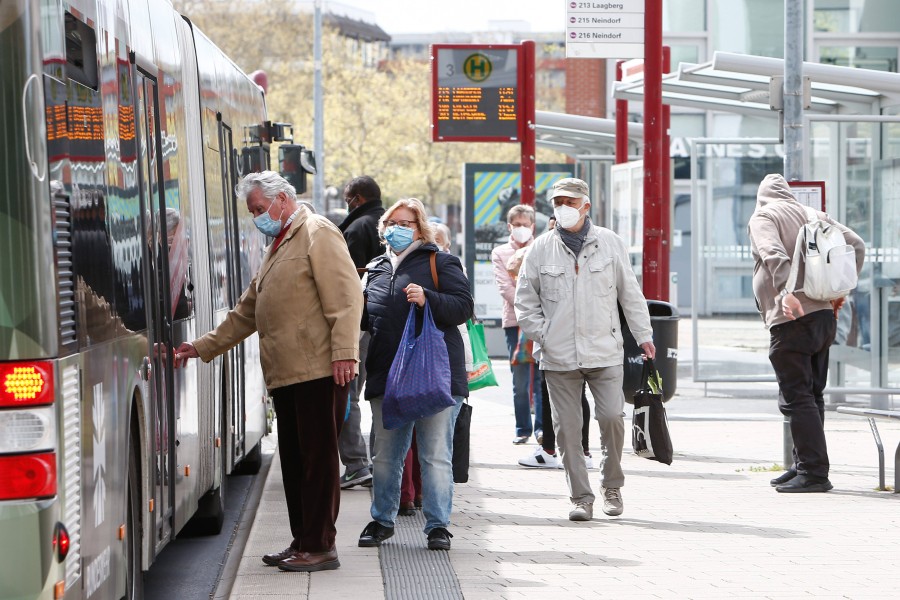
{"x":134,"y":575}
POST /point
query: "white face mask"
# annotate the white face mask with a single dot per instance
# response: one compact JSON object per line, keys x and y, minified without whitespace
{"x":567,"y":216}
{"x":521,"y":234}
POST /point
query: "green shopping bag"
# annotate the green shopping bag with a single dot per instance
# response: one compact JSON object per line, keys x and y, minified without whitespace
{"x":482,"y":374}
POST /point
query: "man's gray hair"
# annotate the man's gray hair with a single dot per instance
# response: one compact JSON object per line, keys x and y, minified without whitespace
{"x":269,"y":183}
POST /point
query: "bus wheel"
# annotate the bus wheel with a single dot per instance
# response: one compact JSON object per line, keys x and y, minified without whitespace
{"x":134,"y":576}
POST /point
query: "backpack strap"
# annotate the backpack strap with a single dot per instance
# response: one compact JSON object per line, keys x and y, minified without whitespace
{"x":434,"y":275}
{"x":800,"y":250}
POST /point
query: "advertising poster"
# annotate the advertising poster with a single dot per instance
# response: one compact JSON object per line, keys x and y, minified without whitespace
{"x":490,"y":191}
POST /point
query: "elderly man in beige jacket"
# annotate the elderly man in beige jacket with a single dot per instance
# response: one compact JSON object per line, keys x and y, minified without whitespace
{"x":801,"y":330}
{"x":306,"y":303}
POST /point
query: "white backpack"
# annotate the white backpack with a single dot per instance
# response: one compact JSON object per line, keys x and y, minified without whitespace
{"x":830,"y":261}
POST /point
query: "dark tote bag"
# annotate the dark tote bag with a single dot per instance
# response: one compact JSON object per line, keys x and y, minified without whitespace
{"x":650,"y":427}
{"x":461,"y":444}
{"x":418,"y":384}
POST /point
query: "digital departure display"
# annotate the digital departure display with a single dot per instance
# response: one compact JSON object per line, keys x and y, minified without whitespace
{"x":476,"y":93}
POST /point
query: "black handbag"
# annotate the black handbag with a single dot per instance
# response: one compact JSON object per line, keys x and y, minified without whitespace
{"x":461,"y":444}
{"x":649,"y":425}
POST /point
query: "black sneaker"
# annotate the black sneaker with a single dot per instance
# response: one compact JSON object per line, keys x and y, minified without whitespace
{"x":805,"y":484}
{"x":439,"y":539}
{"x":374,"y":534}
{"x":783,"y":478}
{"x":355,"y":478}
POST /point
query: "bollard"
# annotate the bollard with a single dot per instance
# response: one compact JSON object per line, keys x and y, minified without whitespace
{"x":788,"y":445}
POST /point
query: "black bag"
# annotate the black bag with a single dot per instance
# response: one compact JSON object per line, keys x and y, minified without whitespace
{"x":461,"y":444}
{"x":649,"y":426}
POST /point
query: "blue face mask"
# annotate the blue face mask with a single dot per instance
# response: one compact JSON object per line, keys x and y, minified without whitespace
{"x":267,"y":225}
{"x":398,"y":237}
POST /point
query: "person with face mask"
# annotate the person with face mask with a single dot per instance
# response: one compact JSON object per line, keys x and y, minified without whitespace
{"x":360,"y":229}
{"x":566,"y":300}
{"x":526,"y":378}
{"x":306,"y":305}
{"x":402,"y":276}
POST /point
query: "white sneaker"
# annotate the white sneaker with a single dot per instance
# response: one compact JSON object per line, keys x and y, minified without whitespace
{"x":588,"y":462}
{"x":540,"y":459}
{"x":612,"y":501}
{"x":583,"y":511}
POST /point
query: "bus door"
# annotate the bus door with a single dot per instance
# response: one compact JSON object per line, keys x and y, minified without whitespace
{"x":236,"y":255}
{"x":159,"y":313}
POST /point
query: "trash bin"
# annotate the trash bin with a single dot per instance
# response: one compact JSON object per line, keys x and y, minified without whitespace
{"x":664,"y":321}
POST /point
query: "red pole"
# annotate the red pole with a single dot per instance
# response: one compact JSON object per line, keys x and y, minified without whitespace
{"x":655,"y":285}
{"x":621,"y":122}
{"x":528,"y":136}
{"x":666,"y":203}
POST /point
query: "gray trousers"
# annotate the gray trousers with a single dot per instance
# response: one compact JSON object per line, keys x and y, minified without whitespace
{"x":351,"y":444}
{"x":605,"y":384}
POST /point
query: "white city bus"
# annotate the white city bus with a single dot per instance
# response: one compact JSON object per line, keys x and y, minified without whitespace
{"x":123,"y":131}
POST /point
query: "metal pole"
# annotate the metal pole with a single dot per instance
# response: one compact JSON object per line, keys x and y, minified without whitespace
{"x":656,"y":283}
{"x":793,"y":90}
{"x":793,"y":131}
{"x":318,"y":111}
{"x":665,"y":209}
{"x":529,"y":144}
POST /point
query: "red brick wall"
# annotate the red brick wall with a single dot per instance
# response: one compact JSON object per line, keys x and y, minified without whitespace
{"x":586,"y":87}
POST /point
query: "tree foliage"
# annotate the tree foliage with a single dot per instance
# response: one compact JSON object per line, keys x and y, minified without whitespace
{"x":377,"y":116}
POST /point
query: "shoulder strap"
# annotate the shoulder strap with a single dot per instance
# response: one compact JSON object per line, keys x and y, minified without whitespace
{"x":799,"y":249}
{"x":434,"y":276}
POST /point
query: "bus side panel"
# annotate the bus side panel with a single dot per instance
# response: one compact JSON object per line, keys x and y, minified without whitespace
{"x":28,"y":323}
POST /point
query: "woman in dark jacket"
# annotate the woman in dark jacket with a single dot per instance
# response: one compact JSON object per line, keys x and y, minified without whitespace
{"x":399,"y":277}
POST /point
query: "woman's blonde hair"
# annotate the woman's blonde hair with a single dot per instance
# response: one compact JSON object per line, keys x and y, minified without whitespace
{"x":426,"y":233}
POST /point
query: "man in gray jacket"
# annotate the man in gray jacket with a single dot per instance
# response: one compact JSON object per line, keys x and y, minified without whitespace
{"x":801,"y":330}
{"x":566,"y":301}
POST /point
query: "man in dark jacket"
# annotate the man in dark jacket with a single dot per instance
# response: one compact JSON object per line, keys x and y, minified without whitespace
{"x":360,"y":229}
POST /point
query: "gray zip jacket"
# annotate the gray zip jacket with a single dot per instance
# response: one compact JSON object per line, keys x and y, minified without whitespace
{"x":773,"y":230}
{"x":568,"y":306}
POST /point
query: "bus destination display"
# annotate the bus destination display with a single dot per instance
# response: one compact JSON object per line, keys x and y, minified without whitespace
{"x":476,"y":95}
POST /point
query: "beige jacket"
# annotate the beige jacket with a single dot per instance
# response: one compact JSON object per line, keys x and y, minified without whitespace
{"x":773,"y":230}
{"x":305,"y":302}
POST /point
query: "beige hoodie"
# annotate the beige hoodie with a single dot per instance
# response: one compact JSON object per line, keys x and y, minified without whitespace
{"x":773,"y":230}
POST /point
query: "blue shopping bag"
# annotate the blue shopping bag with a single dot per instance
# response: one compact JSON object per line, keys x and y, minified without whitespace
{"x":418,"y":384}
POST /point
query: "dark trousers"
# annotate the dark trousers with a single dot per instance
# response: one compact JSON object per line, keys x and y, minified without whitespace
{"x":549,"y":442}
{"x":798,"y":352}
{"x":310,"y":416}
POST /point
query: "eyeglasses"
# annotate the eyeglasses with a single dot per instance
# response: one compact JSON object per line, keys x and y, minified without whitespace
{"x":408,"y":224}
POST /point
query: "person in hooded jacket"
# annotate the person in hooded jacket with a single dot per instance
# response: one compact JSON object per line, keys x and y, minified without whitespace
{"x":401,"y":276}
{"x":801,"y":330}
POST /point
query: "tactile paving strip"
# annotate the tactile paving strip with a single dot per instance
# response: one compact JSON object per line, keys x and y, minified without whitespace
{"x":411,"y":571}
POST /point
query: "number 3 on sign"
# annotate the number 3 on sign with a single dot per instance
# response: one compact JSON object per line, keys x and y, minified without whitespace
{"x":450,"y":70}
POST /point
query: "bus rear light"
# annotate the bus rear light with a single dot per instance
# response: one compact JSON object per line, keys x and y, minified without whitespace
{"x":26,"y":384}
{"x":61,"y":542}
{"x":27,"y":430}
{"x":27,"y":476}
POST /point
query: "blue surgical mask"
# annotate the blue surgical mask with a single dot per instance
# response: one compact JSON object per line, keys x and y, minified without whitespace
{"x":267,"y":225}
{"x":398,"y":237}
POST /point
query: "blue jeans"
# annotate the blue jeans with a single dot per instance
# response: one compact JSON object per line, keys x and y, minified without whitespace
{"x":434,"y":437}
{"x":526,"y":385}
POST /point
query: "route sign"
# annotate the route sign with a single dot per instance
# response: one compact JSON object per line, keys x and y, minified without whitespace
{"x":604,"y":29}
{"x":475,"y":95}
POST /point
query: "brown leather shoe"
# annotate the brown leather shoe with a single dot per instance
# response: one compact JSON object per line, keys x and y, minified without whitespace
{"x":273,"y":559}
{"x":311,"y":561}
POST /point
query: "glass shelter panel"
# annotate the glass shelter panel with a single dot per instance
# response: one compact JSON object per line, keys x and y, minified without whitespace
{"x":730,"y":342}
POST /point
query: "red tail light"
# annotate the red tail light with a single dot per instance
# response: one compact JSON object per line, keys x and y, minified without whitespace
{"x":27,"y":476}
{"x":61,"y":541}
{"x":26,"y":384}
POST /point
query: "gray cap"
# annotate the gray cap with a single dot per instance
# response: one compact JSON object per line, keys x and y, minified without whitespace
{"x":571,"y":188}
